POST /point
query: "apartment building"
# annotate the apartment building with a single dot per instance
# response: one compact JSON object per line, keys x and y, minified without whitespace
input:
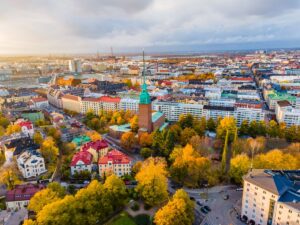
{"x":105,"y":103}
{"x":31,"y":164}
{"x":271,"y":197}
{"x":115,"y":162}
{"x":97,"y":148}
{"x":286,"y":113}
{"x":129,"y":104}
{"x":71,"y":103}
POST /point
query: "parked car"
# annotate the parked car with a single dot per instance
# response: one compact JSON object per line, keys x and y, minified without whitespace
{"x":204,"y":210}
{"x":239,"y":189}
{"x":226,"y":197}
{"x":207,"y":208}
{"x":199,"y":203}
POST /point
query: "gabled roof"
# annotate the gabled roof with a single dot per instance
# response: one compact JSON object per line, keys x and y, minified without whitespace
{"x":83,"y":156}
{"x":116,"y":157}
{"x":97,"y":145}
{"x":39,"y":99}
{"x":23,"y":192}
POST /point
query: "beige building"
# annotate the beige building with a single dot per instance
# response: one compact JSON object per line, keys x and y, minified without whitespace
{"x":71,"y":103}
{"x":271,"y":197}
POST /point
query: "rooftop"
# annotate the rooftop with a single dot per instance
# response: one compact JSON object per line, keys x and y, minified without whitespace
{"x":116,"y":157}
{"x":284,"y":183}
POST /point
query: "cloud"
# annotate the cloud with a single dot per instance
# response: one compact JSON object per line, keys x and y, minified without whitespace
{"x":77,"y":26}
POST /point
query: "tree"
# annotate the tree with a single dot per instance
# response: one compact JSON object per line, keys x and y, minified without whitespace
{"x":12,"y":129}
{"x":136,"y":167}
{"x":225,"y":156}
{"x":169,"y":143}
{"x":49,"y":150}
{"x":227,"y":124}
{"x":239,"y":166}
{"x":273,"y":129}
{"x":200,"y":126}
{"x":211,"y":125}
{"x":9,"y":177}
{"x":178,"y":211}
{"x":134,"y":123}
{"x":4,"y":122}
{"x":186,"y":121}
{"x":256,"y":145}
{"x":42,"y":198}
{"x":200,"y":144}
{"x":146,"y":152}
{"x":188,"y":167}
{"x":253,"y":128}
{"x":291,"y":133}
{"x":116,"y":190}
{"x":186,"y":135}
{"x":38,"y":138}
{"x":276,"y":159}
{"x":157,"y":141}
{"x":128,"y":140}
{"x":94,"y":135}
{"x":145,"y":140}
{"x":244,"y":128}
{"x":152,"y":181}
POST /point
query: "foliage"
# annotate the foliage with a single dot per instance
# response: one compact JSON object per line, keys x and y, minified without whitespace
{"x":239,"y":166}
{"x":188,"y":167}
{"x":116,"y":191}
{"x":186,"y":135}
{"x":122,"y":219}
{"x":134,"y":123}
{"x":13,"y":129}
{"x":128,"y":140}
{"x":145,"y":140}
{"x":49,"y":150}
{"x":228,"y":123}
{"x":142,"y":219}
{"x":38,"y":138}
{"x":152,"y":181}
{"x":178,"y":211}
{"x":146,"y":152}
{"x":9,"y":177}
{"x":93,"y":135}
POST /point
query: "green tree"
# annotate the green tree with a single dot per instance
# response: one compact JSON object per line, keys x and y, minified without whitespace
{"x":186,"y":121}
{"x":227,"y":124}
{"x":186,"y":135}
{"x":146,"y":152}
{"x":244,"y":128}
{"x":211,"y":124}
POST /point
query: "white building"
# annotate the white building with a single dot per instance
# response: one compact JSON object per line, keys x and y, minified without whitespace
{"x":31,"y":164}
{"x":26,"y":127}
{"x":38,"y":102}
{"x":286,"y":113}
{"x":129,"y":104}
{"x":271,"y":197}
{"x":75,"y":66}
{"x":81,"y":161}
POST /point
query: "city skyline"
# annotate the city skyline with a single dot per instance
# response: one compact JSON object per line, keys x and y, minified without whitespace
{"x":75,"y":27}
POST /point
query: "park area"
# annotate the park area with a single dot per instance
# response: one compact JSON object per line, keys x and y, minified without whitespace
{"x":125,"y":219}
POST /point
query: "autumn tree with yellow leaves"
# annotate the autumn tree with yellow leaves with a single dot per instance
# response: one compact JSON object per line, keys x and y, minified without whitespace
{"x":152,"y":181}
{"x":188,"y":166}
{"x":178,"y":211}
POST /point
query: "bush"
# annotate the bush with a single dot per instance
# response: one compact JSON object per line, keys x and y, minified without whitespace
{"x":135,"y":206}
{"x":142,"y":219}
{"x":147,"y":207}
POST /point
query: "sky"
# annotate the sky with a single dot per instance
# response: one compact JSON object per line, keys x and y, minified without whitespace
{"x":88,"y":26}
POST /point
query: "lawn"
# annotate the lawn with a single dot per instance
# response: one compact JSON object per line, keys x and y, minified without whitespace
{"x":122,"y":219}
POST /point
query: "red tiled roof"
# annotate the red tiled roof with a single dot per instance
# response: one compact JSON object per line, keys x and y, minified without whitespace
{"x":97,"y":145}
{"x":241,"y":78}
{"x":39,"y":99}
{"x":116,"y":157}
{"x":23,"y":192}
{"x":71,"y":97}
{"x":110,"y":99}
{"x":27,"y":124}
{"x":85,"y":157}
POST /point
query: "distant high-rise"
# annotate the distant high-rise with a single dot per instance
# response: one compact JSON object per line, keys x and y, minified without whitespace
{"x":75,"y":66}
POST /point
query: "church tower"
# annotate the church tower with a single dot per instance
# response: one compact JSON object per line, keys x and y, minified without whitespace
{"x":145,"y":108}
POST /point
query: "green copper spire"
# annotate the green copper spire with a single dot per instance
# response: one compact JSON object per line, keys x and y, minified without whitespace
{"x":144,"y":96}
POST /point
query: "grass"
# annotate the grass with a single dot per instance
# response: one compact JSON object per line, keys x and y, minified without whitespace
{"x":122,"y":219}
{"x":142,"y":219}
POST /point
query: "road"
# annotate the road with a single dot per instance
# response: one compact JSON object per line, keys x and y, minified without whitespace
{"x":12,"y":218}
